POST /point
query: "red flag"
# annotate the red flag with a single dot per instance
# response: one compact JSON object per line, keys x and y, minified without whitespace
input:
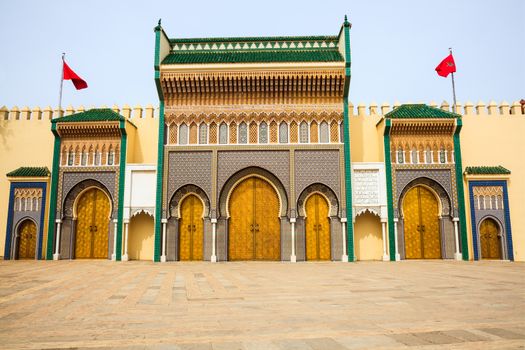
{"x":70,"y":75}
{"x":446,"y":66}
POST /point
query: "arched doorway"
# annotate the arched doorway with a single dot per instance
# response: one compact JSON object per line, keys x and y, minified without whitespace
{"x":93,"y":211}
{"x":490,"y":239}
{"x":191,"y":235}
{"x":141,"y":237}
{"x":422,"y":236}
{"x":26,"y":240}
{"x":254,"y":229}
{"x":368,"y":236}
{"x":317,"y":228}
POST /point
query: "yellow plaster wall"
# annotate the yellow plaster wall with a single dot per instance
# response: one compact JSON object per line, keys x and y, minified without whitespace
{"x":498,"y":140}
{"x":368,"y":237}
{"x":366,"y":143}
{"x":141,"y":237}
{"x":22,"y":143}
{"x":145,"y":147}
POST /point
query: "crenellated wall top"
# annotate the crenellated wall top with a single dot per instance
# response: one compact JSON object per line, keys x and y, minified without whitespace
{"x":360,"y":110}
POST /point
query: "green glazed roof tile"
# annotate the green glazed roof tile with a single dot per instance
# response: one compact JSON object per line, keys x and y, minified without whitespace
{"x":415,"y":111}
{"x":29,"y":172}
{"x":189,"y":57}
{"x":97,"y":114}
{"x":487,"y":170}
{"x":252,"y":39}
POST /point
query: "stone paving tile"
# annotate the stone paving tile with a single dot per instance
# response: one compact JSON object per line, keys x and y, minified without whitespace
{"x":140,"y":305}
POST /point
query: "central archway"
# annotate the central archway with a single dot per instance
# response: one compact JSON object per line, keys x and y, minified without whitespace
{"x":422,"y":236}
{"x":254,"y":229}
{"x":93,"y":211}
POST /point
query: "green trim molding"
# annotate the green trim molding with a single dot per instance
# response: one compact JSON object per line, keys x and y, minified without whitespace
{"x":53,"y":191}
{"x":347,"y":154}
{"x":160,"y":149}
{"x":460,"y":189}
{"x":122,"y":180}
{"x":389,"y":194}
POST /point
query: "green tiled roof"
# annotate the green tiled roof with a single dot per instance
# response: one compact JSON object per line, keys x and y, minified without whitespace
{"x":29,"y":172}
{"x":486,"y":170}
{"x":97,"y":114}
{"x":414,"y":111}
{"x":188,"y":57}
{"x":252,"y":39}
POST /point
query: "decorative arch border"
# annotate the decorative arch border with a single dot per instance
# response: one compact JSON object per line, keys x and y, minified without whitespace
{"x":139,"y":211}
{"x":184,"y":191}
{"x":10,"y":214}
{"x":501,"y":228}
{"x":372,"y":210}
{"x":16,"y":242}
{"x":506,"y":214}
{"x":445,"y":202}
{"x":323,"y":190}
{"x":238,"y":177}
{"x":70,"y":201}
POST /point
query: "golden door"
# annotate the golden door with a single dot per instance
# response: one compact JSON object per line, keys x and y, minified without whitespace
{"x":191,"y":229}
{"x":92,"y":225}
{"x":27,"y":240}
{"x":489,"y":240}
{"x":254,"y":229}
{"x":422,"y":239}
{"x":317,"y":228}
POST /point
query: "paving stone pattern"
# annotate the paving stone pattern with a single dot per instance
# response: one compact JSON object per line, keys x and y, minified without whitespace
{"x":262,"y":305}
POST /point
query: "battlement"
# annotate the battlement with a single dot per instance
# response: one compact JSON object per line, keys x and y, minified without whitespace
{"x":48,"y":113}
{"x":360,"y":110}
{"x":467,"y":109}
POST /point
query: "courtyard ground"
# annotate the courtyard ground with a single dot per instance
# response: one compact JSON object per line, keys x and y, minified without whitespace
{"x":262,"y":305}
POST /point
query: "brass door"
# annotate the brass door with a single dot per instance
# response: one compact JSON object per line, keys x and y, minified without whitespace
{"x":489,"y":240}
{"x":254,"y":229}
{"x":317,"y":228}
{"x":27,"y":240}
{"x":191,"y":229}
{"x":422,"y":238}
{"x":92,"y":234}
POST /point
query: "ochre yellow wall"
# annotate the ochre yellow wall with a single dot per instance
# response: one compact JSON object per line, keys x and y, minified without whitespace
{"x":366,"y":140}
{"x":141,"y":237}
{"x":368,"y":237}
{"x":498,"y":140}
{"x":22,"y":143}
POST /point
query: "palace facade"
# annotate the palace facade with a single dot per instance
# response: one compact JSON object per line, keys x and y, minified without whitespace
{"x":256,"y":153}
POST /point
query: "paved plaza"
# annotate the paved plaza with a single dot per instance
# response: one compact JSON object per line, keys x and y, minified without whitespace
{"x":262,"y":305}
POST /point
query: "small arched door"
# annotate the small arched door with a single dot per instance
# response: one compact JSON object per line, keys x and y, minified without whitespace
{"x":92,"y":234}
{"x":490,"y":239}
{"x":317,"y":228}
{"x":422,"y":237}
{"x":191,"y":229}
{"x":254,"y":229}
{"x":27,"y":240}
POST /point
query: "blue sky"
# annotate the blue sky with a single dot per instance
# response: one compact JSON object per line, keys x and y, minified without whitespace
{"x":395,"y":45}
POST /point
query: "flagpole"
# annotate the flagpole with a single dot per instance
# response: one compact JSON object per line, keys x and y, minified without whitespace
{"x":61,"y":85}
{"x":453,"y":87}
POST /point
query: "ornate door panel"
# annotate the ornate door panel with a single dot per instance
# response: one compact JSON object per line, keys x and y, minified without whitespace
{"x":317,"y":228}
{"x":267,"y":230}
{"x":489,"y":240}
{"x":92,"y":225}
{"x":422,"y":238}
{"x":27,"y":240}
{"x":254,"y":230}
{"x":191,"y":229}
